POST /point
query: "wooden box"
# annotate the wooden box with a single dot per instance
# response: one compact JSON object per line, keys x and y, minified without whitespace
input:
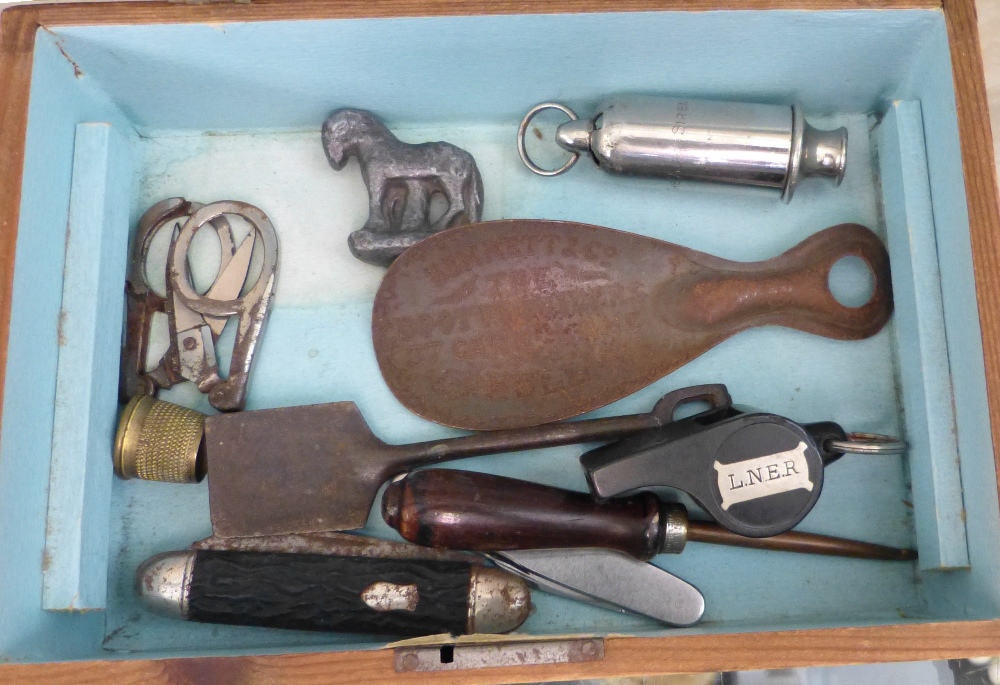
{"x":109,"y":107}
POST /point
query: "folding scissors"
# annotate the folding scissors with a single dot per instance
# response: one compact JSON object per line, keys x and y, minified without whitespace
{"x":195,"y":321}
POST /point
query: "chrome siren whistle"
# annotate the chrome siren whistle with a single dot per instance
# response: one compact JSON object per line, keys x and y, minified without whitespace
{"x":770,"y":146}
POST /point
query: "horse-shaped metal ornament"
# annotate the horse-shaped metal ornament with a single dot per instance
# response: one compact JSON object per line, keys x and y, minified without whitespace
{"x":401,"y":179}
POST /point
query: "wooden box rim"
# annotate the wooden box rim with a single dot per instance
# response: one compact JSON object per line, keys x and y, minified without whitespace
{"x":624,"y":656}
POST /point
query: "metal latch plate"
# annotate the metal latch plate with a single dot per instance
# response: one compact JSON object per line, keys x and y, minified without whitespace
{"x":467,"y":656}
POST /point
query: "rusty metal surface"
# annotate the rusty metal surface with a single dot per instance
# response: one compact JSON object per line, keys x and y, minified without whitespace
{"x":466,"y":656}
{"x":142,"y":302}
{"x":319,"y":467}
{"x":516,"y":323}
{"x":340,"y":544}
{"x":799,"y":543}
{"x":223,"y":300}
{"x":195,"y":321}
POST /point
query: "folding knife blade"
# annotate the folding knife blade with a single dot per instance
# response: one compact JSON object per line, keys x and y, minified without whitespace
{"x":608,"y":579}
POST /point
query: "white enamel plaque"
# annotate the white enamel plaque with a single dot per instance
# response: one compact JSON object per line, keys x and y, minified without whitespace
{"x":762,"y":476}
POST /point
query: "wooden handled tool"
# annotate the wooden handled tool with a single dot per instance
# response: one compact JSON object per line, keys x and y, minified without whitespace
{"x":516,"y":323}
{"x":320,"y":467}
{"x":476,"y":511}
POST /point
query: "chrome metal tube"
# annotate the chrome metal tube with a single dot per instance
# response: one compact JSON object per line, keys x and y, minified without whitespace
{"x":770,"y":146}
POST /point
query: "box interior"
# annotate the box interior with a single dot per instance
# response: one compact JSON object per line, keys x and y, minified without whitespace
{"x":233,"y":111}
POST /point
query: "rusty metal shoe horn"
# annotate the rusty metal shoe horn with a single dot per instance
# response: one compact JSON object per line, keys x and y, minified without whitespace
{"x":517,"y":323}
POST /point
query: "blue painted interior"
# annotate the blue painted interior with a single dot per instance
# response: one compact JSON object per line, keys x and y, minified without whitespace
{"x":75,"y":573}
{"x":59,"y":101}
{"x":975,"y":594}
{"x":922,"y":349}
{"x":469,"y":80}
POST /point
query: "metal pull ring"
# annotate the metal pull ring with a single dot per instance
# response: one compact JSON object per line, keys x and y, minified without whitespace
{"x":867,"y":443}
{"x":523,"y":129}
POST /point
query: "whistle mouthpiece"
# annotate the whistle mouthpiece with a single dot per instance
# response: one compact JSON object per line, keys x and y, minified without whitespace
{"x":160,"y":441}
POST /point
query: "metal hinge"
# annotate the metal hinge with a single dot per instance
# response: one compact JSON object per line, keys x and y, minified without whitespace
{"x":462,"y":656}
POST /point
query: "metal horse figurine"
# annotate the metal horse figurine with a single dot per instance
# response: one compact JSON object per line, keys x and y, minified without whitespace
{"x":401,"y":179}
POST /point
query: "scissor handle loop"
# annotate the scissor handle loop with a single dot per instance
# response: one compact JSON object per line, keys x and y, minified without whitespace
{"x":154,"y":219}
{"x":177,"y":263}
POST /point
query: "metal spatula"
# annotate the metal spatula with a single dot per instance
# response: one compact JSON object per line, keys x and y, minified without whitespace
{"x":516,"y":323}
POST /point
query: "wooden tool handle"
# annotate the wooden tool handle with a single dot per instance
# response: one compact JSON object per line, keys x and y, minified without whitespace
{"x":790,"y":290}
{"x":481,"y":512}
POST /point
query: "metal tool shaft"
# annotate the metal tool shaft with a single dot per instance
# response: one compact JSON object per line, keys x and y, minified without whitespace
{"x":486,"y":513}
{"x":417,"y":454}
{"x":801,"y":543}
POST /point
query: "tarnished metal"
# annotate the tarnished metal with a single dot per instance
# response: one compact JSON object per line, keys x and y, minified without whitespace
{"x":340,"y":544}
{"x":868,"y":443}
{"x":800,"y":543}
{"x":142,"y":302}
{"x":386,"y":596}
{"x":223,"y":300}
{"x":195,"y":321}
{"x":163,"y":583}
{"x":339,"y":465}
{"x":159,"y":441}
{"x":516,"y":323}
{"x":673,"y":529}
{"x":476,"y":655}
{"x":401,"y":179}
{"x":497,"y":604}
{"x":319,"y":467}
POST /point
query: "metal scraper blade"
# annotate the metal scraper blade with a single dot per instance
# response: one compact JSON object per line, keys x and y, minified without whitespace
{"x":608,"y":579}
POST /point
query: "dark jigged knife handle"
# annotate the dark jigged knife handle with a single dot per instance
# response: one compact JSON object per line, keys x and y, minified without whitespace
{"x":477,"y":511}
{"x":400,"y":597}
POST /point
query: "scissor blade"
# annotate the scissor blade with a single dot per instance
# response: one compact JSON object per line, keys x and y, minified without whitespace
{"x":185,"y":318}
{"x":230,"y":281}
{"x":608,"y":579}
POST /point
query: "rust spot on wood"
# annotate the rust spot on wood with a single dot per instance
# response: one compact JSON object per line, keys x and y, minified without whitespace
{"x":46,"y":561}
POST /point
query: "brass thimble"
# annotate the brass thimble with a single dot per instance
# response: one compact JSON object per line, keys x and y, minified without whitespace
{"x":157,"y":440}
